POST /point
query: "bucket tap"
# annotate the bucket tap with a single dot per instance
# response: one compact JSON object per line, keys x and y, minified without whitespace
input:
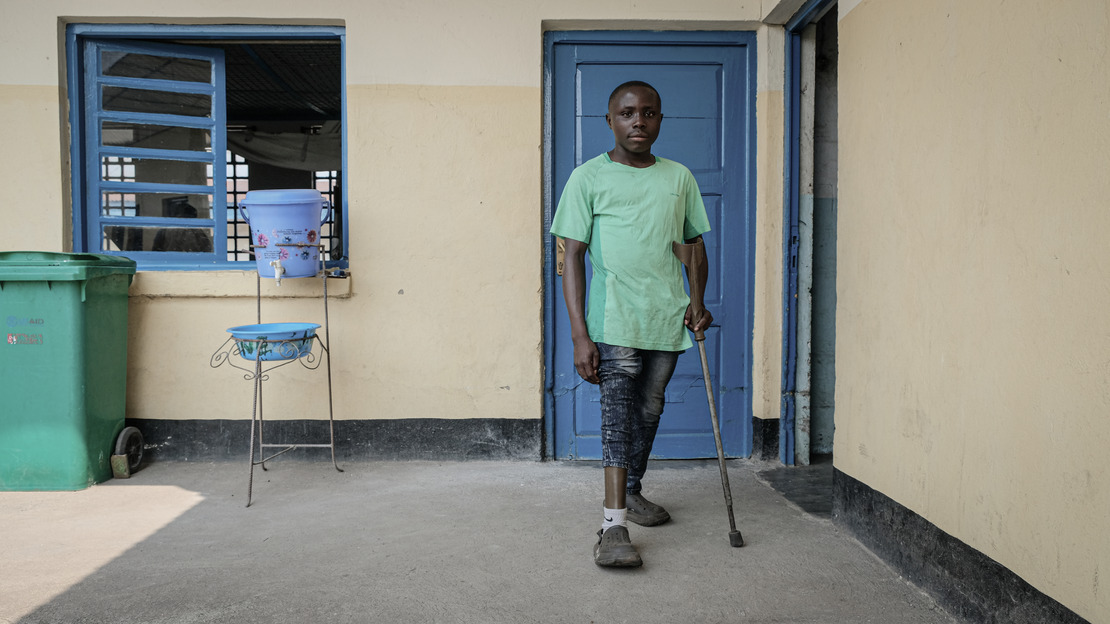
{"x":278,"y":270}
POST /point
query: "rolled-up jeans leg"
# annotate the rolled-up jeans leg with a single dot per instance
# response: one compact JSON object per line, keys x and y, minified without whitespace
{"x":618,"y":371}
{"x":657,"y":367}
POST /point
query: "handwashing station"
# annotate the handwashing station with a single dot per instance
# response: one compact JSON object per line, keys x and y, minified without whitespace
{"x":285,"y":238}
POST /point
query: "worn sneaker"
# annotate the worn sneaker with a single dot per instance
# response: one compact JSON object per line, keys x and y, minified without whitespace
{"x":644,"y":512}
{"x":614,"y":550}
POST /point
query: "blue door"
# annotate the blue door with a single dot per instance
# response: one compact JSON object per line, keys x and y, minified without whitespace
{"x":707,"y":85}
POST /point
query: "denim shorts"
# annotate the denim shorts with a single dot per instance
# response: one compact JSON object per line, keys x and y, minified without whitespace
{"x":633,"y":386}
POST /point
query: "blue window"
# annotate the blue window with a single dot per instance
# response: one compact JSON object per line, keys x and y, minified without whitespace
{"x":172,"y":125}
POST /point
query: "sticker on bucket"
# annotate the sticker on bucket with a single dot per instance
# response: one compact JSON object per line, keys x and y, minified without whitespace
{"x":285,"y":230}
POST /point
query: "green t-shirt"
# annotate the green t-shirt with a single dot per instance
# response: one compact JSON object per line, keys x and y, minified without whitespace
{"x":629,"y":217}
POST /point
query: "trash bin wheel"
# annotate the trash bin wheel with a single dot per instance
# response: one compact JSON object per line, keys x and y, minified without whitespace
{"x":130,"y":443}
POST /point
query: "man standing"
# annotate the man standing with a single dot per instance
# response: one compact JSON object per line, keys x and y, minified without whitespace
{"x":627,"y":207}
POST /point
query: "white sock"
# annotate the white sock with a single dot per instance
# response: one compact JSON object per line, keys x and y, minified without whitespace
{"x":612,"y":518}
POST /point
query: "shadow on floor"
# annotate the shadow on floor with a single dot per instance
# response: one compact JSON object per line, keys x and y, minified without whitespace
{"x":808,"y":487}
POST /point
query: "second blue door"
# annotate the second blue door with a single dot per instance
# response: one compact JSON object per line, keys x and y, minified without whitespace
{"x":707,"y":85}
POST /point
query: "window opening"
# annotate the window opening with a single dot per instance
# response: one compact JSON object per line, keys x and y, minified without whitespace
{"x":118,"y":169}
{"x":327,"y":182}
{"x":238,"y":231}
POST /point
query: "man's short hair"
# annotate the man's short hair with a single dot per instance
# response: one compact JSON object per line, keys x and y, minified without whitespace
{"x":629,"y":85}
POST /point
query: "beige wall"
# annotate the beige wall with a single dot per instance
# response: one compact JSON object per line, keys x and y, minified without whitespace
{"x":767,"y":347}
{"x":442,"y":315}
{"x":973,"y":339}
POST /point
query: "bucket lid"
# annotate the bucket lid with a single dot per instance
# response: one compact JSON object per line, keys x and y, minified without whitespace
{"x":281,"y":196}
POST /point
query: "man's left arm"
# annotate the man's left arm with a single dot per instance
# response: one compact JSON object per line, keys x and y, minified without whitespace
{"x":697,"y":317}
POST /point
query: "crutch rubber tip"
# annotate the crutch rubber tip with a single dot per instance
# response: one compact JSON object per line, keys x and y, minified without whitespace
{"x":735,"y":539}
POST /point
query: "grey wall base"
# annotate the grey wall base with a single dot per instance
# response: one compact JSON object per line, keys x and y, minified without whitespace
{"x":355,"y":440}
{"x":964,"y":581}
{"x":406,"y":439}
{"x":765,"y":438}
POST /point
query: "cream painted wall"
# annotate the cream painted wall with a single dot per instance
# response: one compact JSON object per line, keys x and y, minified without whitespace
{"x":767,"y":344}
{"x":391,"y":42}
{"x":32,"y":193}
{"x":973,"y":340}
{"x":442,"y":315}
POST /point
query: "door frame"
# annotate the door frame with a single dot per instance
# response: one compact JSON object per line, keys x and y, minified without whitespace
{"x":602,"y":37}
{"x":794,"y":408}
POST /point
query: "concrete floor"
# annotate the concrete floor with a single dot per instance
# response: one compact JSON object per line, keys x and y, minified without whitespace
{"x":434,"y":542}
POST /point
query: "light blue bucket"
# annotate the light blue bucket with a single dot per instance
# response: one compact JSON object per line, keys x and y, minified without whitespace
{"x":274,"y":341}
{"x":285,"y":230}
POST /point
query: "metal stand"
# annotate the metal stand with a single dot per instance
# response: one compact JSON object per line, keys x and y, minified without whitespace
{"x":229,"y":352}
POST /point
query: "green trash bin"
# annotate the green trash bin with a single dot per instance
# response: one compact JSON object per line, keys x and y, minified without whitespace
{"x":63,"y":367}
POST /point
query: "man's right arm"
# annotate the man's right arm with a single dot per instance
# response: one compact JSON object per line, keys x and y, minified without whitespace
{"x":586,"y":357}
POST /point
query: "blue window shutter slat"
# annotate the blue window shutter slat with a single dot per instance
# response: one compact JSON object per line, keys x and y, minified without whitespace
{"x":160,"y":154}
{"x":91,"y":163}
{"x":157,"y":119}
{"x":157,"y":222}
{"x":219,"y":151}
{"x":151,"y":84}
{"x":152,"y":187}
{"x":150,"y":118}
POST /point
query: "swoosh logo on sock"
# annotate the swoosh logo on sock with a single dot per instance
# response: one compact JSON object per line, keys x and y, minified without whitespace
{"x":608,"y":519}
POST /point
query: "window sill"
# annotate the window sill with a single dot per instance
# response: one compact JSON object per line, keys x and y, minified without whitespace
{"x":232,"y":284}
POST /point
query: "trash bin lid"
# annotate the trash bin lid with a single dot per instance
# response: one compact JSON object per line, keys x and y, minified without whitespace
{"x":33,"y":266}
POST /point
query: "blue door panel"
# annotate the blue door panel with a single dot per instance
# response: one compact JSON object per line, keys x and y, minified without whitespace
{"x":708,"y":107}
{"x":693,"y":130}
{"x":678,"y":83}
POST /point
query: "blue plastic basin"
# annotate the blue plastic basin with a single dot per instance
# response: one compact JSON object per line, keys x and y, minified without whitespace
{"x":274,"y":341}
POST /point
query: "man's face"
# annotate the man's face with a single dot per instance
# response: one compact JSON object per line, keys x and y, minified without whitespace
{"x":635,"y":117}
